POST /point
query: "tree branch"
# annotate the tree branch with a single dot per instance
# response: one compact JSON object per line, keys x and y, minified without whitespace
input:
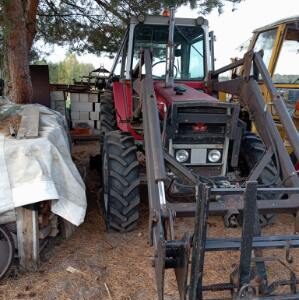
{"x":109,"y":8}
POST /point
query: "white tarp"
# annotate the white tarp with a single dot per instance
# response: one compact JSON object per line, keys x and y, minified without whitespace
{"x":34,"y":170}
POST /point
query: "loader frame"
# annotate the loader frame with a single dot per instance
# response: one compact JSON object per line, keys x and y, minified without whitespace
{"x":186,"y":256}
{"x":280,"y":30}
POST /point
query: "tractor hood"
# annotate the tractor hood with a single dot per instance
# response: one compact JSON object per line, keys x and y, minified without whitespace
{"x":180,"y":92}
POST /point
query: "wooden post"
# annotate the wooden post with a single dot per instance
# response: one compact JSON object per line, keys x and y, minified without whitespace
{"x":67,"y":228}
{"x":28,"y":238}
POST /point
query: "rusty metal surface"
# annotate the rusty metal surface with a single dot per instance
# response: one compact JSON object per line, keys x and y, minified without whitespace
{"x":236,"y":203}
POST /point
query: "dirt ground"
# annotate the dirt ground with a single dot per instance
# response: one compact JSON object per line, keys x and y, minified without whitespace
{"x":96,"y":264}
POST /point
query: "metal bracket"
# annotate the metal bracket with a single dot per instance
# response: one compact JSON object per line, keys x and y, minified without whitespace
{"x":258,"y":169}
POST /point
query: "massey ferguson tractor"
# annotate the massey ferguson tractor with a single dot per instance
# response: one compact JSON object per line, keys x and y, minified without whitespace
{"x":162,"y":118}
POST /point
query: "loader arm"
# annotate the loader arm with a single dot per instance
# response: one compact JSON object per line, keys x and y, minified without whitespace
{"x":247,"y":90}
{"x":187,"y":255}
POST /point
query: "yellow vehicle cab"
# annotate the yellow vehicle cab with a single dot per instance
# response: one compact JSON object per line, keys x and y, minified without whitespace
{"x":279,"y":42}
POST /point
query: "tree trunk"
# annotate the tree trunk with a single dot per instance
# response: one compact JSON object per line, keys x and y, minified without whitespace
{"x":30,"y":13}
{"x":18,"y":37}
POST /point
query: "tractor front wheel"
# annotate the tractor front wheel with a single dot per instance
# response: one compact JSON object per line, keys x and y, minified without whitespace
{"x":120,"y":179}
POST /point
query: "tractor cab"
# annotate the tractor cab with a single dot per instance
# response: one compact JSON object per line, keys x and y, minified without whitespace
{"x":189,"y":56}
{"x":279,"y":42}
{"x":191,"y":46}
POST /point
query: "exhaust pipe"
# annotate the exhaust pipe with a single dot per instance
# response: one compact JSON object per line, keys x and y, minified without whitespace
{"x":169,"y":74}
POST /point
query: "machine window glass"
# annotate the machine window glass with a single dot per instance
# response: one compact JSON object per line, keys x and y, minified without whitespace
{"x":117,"y":69}
{"x":287,"y":67}
{"x":196,"y":68}
{"x":265,"y":42}
{"x":189,"y":54}
{"x":119,"y":66}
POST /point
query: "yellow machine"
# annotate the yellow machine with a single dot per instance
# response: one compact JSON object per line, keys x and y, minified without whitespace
{"x":279,"y":42}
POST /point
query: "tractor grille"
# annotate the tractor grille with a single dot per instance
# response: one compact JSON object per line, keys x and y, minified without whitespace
{"x":210,"y":134}
{"x":201,"y":110}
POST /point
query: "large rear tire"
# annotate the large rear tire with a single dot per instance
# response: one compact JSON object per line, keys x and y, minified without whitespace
{"x":120,"y":181}
{"x":107,"y":115}
{"x":251,"y":152}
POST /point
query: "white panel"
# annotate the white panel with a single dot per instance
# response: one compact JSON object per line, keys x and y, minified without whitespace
{"x":84,"y":98}
{"x":93,"y":97}
{"x":97,"y":107}
{"x":84,"y":115}
{"x":87,"y":107}
{"x":198,"y":156}
{"x":74,"y":97}
{"x":57,"y":95}
{"x":94,"y":115}
{"x":75,"y":115}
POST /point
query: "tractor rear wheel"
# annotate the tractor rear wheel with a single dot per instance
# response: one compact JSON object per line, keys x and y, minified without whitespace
{"x":107,"y":115}
{"x":120,"y":181}
{"x":251,"y":151}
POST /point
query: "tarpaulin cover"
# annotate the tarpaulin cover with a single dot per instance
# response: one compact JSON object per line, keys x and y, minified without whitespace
{"x":38,"y":169}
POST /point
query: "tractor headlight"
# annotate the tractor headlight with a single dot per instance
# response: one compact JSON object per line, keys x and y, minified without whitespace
{"x":182,"y":156}
{"x":214,"y":156}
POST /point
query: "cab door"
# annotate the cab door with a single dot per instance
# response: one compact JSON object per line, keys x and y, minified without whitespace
{"x":281,"y":56}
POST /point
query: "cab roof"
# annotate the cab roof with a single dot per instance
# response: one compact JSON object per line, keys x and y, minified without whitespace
{"x":161,"y":20}
{"x":289,"y":20}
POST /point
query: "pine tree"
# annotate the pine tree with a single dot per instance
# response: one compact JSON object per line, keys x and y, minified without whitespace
{"x":92,"y":25}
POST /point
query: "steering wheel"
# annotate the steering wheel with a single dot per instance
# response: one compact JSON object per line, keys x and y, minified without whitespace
{"x":161,"y":62}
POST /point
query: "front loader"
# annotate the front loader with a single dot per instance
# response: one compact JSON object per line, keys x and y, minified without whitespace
{"x":161,"y":116}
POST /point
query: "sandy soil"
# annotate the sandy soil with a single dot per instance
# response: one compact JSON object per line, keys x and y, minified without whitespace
{"x":96,"y":264}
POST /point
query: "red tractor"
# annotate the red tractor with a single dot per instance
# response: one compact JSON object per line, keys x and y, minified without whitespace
{"x":121,"y":114}
{"x":200,"y":158}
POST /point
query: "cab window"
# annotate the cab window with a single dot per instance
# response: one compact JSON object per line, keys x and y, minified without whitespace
{"x":265,"y":42}
{"x":188,"y":50}
{"x":287,"y":67}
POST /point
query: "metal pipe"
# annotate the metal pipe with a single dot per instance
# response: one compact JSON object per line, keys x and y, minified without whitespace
{"x":152,"y":137}
{"x":116,"y":60}
{"x":161,"y":189}
{"x":130,"y":51}
{"x":266,"y":127}
{"x":208,"y":63}
{"x":280,"y":106}
{"x":248,"y":232}
{"x":199,"y":242}
{"x":169,"y":74}
{"x":232,"y":65}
